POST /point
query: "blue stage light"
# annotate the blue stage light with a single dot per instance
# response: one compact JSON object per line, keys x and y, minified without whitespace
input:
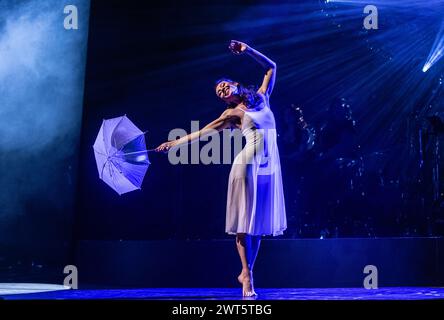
{"x":42,"y":70}
{"x":437,"y":50}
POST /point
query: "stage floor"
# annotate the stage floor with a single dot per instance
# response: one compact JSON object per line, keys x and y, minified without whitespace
{"x":399,"y":293}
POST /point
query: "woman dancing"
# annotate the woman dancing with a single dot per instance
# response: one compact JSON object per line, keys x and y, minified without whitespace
{"x":255,"y":198}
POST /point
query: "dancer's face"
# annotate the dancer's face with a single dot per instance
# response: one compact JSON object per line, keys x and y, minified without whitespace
{"x":226,"y":90}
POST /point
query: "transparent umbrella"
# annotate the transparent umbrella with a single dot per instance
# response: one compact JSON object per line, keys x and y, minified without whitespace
{"x":121,"y":154}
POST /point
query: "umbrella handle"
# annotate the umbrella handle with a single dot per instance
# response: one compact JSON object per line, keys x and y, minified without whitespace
{"x":137,"y":152}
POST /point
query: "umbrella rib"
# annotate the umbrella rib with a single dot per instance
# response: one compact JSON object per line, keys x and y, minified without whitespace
{"x":129,"y":140}
{"x":112,"y":176}
{"x":118,"y":124}
{"x":102,"y":154}
{"x":103,"y":168}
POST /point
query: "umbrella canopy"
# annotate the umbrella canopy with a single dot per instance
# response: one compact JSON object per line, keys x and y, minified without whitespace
{"x":121,"y":155}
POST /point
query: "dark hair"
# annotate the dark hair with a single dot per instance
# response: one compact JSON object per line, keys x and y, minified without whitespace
{"x":247,"y":94}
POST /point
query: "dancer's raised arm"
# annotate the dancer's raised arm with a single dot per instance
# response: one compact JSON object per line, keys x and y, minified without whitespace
{"x":269,"y":65}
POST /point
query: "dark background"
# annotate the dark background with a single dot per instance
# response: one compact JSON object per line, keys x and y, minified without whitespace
{"x":158,"y":63}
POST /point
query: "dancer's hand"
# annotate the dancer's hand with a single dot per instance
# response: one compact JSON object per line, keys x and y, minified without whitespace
{"x":166,"y":146}
{"x":237,"y":47}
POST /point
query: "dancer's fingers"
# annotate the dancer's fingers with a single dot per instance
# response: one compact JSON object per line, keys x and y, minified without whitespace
{"x":160,"y":148}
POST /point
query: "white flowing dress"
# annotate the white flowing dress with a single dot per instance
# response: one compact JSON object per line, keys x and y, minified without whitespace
{"x":255,"y":198}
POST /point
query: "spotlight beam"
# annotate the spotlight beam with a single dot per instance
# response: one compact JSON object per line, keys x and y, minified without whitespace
{"x":437,"y":50}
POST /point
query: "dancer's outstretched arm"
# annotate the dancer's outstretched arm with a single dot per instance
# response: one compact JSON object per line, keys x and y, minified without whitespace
{"x":269,"y":65}
{"x":228,"y":118}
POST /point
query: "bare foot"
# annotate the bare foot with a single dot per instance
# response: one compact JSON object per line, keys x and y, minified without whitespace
{"x":240,"y":277}
{"x":246,"y":279}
